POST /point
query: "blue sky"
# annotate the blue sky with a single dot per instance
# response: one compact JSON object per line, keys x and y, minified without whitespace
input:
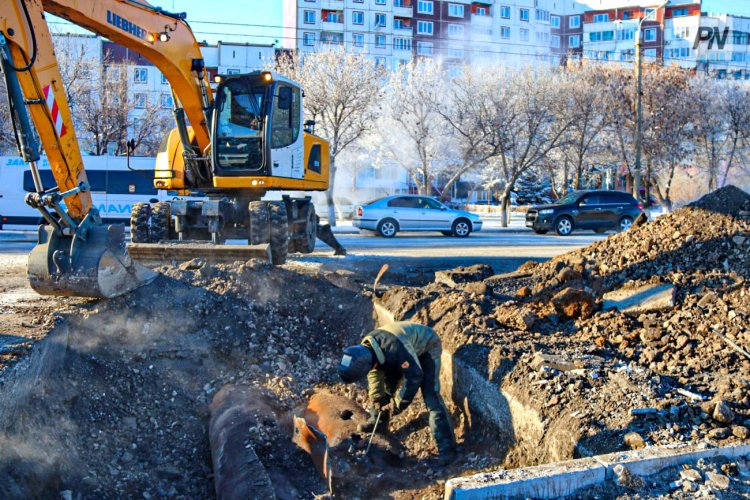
{"x":738,"y":7}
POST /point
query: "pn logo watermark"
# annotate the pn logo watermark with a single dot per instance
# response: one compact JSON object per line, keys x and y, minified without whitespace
{"x":711,"y":35}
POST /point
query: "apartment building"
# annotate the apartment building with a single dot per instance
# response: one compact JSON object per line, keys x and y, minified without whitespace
{"x":728,"y":54}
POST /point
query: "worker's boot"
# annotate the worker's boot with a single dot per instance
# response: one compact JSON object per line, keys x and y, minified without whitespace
{"x":385,"y":417}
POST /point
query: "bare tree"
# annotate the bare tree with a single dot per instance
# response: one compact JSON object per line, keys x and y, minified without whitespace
{"x":524,"y":110}
{"x":411,"y":132}
{"x":341,"y":92}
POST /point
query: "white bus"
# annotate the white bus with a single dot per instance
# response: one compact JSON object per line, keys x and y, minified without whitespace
{"x":114,"y":188}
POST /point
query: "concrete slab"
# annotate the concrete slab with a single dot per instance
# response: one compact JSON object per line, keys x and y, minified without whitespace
{"x":544,"y":481}
{"x":644,"y":299}
{"x":565,"y":478}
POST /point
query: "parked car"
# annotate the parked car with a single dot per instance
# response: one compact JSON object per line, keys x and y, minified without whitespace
{"x":387,"y":216}
{"x":596,"y":210}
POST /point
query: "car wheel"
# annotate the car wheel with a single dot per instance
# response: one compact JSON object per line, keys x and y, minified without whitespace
{"x":447,"y":233}
{"x":540,"y":231}
{"x":600,"y":230}
{"x":564,"y":226}
{"x":387,"y":228}
{"x":461,"y":228}
{"x":626,"y":223}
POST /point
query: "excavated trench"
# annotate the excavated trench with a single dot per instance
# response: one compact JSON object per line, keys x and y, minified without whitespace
{"x":116,"y":400}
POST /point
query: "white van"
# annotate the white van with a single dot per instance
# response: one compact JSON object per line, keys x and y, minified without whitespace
{"x":114,"y":188}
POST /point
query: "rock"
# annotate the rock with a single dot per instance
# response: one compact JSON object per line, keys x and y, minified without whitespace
{"x":524,"y":292}
{"x":574,"y":303}
{"x":739,"y":240}
{"x":707,"y":299}
{"x":568,"y":274}
{"x":691,"y":475}
{"x":626,"y":479}
{"x":169,"y":472}
{"x":521,"y":318}
{"x":454,"y":278}
{"x":643,"y":299}
{"x":66,"y":495}
{"x":740,"y":431}
{"x":193,"y":264}
{"x":723,"y":413}
{"x":634,"y":441}
{"x":716,"y":480}
{"x":718,"y":433}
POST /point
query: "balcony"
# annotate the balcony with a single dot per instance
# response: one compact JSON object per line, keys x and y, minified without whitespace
{"x":402,"y":24}
{"x":477,"y":20}
{"x":332,"y":4}
{"x":403,"y":8}
{"x":333,"y":20}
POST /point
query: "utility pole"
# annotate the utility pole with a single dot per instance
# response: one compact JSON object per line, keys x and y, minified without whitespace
{"x":638,"y":112}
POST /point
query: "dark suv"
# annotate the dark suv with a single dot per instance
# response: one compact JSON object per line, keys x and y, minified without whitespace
{"x":597,"y":210}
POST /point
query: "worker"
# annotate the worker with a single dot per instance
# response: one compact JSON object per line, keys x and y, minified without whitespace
{"x":408,"y":354}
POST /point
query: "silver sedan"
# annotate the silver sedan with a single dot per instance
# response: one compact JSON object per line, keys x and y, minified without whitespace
{"x":387,"y":216}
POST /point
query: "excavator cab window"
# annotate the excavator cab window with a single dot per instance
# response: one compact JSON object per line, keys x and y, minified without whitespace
{"x":239,"y":126}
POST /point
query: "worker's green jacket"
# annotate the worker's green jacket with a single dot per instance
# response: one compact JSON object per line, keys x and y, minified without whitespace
{"x":397,"y":347}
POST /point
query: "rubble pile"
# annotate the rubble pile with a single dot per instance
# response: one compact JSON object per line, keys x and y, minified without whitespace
{"x":645,"y":334}
{"x":124,"y":410}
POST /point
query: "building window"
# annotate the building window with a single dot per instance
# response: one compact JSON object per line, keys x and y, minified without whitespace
{"x":542,"y":38}
{"x":164,"y":80}
{"x":140,"y":100}
{"x":425,"y":7}
{"x":402,"y":4}
{"x":555,"y":42}
{"x":140,"y":75}
{"x":233,"y":71}
{"x":455,"y":10}
{"x":649,"y":34}
{"x":574,"y":41}
{"x":380,"y":41}
{"x":554,"y":21}
{"x":380,"y":20}
{"x":308,"y":39}
{"x":333,"y":17}
{"x":381,"y":61}
{"x":456,"y":52}
{"x":523,"y":34}
{"x":542,"y":15}
{"x":574,"y":22}
{"x":402,"y":43}
{"x":650,"y":53}
{"x":505,"y":32}
{"x":358,"y":17}
{"x":456,"y":30}
{"x":680,"y":12}
{"x":309,"y":17}
{"x":523,"y":14}
{"x":481,"y":11}
{"x":505,"y":12}
{"x":332,"y":38}
{"x":379,"y":2}
{"x":358,"y":39}
{"x":424,"y":28}
{"x":166,"y":101}
{"x":601,"y":18}
{"x":424,"y":49}
{"x":684,"y":32}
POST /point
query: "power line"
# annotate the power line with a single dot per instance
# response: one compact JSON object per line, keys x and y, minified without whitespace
{"x":472,"y":50}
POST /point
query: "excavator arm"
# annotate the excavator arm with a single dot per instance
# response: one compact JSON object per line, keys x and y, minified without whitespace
{"x":76,"y":254}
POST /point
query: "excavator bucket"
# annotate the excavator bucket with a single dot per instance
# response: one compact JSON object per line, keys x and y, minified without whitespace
{"x":158,"y":254}
{"x":92,"y":263}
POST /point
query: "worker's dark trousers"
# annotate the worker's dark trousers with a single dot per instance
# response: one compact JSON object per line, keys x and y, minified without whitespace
{"x":440,"y":423}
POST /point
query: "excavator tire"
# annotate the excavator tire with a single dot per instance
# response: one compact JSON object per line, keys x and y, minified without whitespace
{"x":160,"y":218}
{"x":259,"y":230}
{"x":306,"y":231}
{"x":279,"y":232}
{"x":139,"y":222}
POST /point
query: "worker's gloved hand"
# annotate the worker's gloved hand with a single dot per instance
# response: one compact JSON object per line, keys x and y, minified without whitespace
{"x":385,"y":416}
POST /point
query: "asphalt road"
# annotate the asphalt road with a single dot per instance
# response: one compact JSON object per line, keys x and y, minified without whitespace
{"x":412,"y":257}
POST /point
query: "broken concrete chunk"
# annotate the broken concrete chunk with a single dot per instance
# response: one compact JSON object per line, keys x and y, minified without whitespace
{"x":193,"y":264}
{"x":568,"y":274}
{"x":626,"y":479}
{"x":718,"y":433}
{"x":644,"y":299}
{"x":521,"y":318}
{"x":574,"y":303}
{"x":723,"y":413}
{"x":455,"y":278}
{"x":740,"y":431}
{"x":634,"y":441}
{"x":716,"y":480}
{"x":691,"y":475}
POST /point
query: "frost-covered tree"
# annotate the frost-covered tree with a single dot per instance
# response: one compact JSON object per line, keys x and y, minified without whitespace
{"x":342,"y":92}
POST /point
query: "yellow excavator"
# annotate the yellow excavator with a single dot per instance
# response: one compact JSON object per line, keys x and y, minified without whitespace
{"x":231,"y":145}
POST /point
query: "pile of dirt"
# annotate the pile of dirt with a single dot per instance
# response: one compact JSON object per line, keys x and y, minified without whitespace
{"x":115,"y":401}
{"x":673,"y":370}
